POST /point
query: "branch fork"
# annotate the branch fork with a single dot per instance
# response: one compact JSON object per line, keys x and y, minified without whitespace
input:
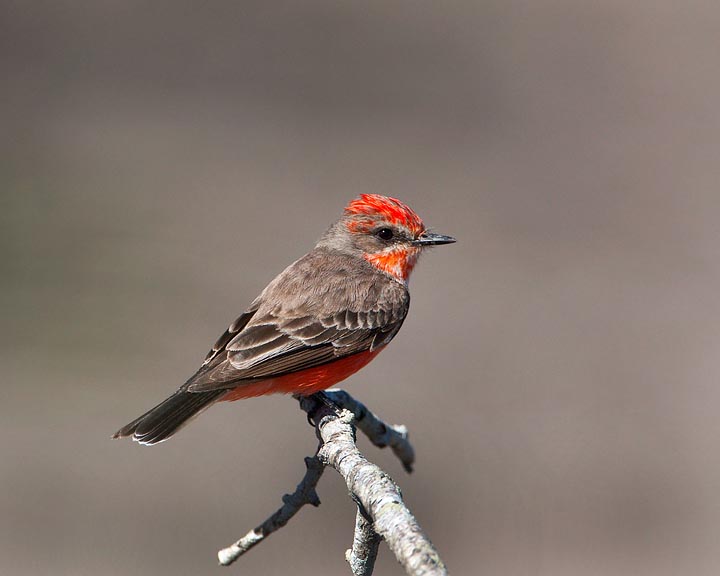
{"x":381,"y":515}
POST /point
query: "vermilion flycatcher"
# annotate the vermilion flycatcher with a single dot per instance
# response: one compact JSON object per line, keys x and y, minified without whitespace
{"x":322,"y":319}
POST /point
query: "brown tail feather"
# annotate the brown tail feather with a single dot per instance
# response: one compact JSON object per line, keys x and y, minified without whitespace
{"x":161,"y":422}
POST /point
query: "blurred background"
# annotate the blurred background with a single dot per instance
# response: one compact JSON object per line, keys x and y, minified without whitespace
{"x":162,"y":161}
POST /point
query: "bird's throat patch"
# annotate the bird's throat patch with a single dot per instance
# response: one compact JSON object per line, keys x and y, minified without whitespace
{"x":398,"y":262}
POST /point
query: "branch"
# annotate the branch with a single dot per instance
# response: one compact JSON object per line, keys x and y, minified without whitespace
{"x":366,"y":542}
{"x":377,"y":493}
{"x":304,"y":494}
{"x":379,"y":433}
{"x":382,"y":514}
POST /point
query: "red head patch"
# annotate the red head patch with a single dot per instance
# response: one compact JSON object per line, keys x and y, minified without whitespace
{"x":368,"y":209}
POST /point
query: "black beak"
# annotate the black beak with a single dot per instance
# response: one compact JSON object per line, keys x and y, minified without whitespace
{"x":430,"y":239}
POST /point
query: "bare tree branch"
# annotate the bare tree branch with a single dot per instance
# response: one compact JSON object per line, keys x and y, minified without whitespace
{"x":378,"y":494}
{"x":304,"y":494}
{"x":382,"y":514}
{"x":379,"y":433}
{"x":366,"y":542}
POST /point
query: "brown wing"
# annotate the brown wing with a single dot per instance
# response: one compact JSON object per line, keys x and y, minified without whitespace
{"x":324,"y":306}
{"x":273,"y":349}
{"x":353,"y":308}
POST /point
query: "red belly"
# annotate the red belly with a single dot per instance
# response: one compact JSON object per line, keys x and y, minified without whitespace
{"x":306,"y":381}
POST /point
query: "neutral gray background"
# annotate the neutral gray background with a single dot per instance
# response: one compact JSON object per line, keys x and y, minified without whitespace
{"x":160,"y":162}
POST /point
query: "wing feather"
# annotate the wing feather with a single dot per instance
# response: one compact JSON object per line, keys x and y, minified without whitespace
{"x":290,"y":329}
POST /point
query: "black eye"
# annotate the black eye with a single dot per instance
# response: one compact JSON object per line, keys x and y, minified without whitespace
{"x":384,"y":233}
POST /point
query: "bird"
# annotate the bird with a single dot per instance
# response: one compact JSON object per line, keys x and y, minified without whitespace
{"x":322,"y":319}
